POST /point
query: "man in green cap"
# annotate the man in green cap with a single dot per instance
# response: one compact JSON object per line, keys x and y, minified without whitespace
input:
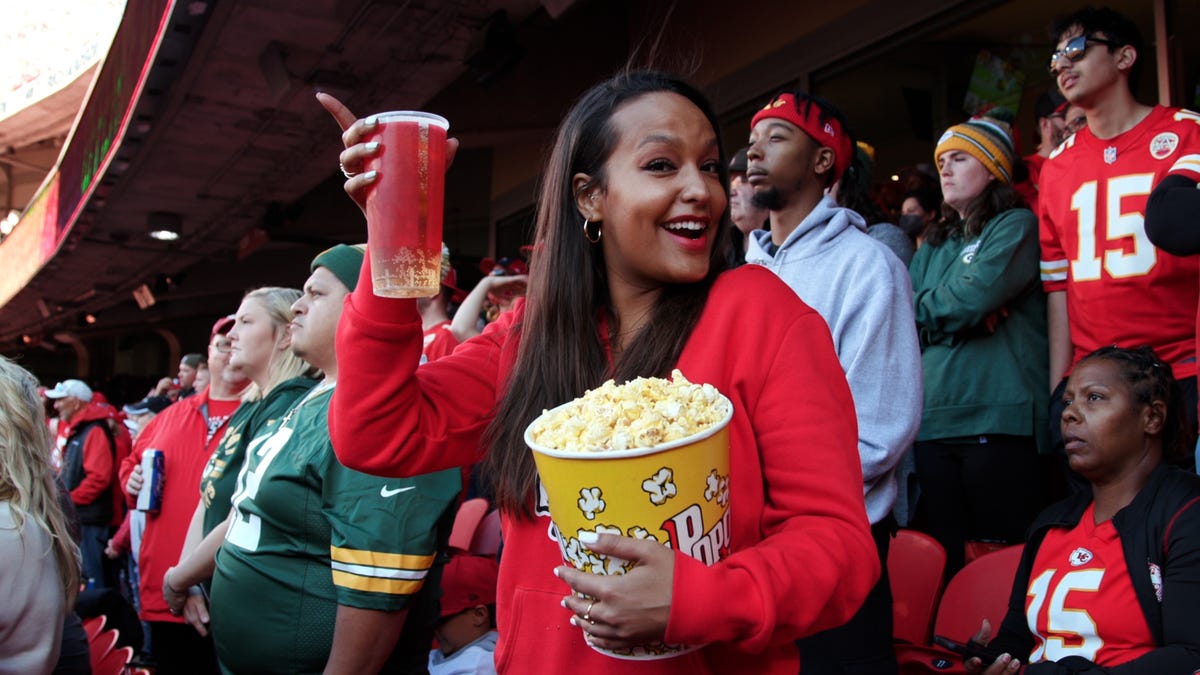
{"x":324,"y":568}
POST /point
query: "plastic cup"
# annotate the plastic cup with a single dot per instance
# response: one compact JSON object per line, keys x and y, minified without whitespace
{"x":406,"y":204}
{"x":676,"y":493}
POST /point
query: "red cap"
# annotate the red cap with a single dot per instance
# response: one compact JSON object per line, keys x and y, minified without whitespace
{"x":468,"y":581}
{"x":504,"y":267}
{"x":450,"y":282}
{"x":222,"y":326}
{"x":828,"y":133}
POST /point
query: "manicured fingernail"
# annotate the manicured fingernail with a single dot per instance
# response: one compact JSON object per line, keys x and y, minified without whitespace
{"x":372,"y":146}
{"x":370,"y":175}
{"x":572,"y":620}
{"x":371,"y":121}
{"x":589,"y":537}
{"x":556,"y":572}
{"x":563,"y":602}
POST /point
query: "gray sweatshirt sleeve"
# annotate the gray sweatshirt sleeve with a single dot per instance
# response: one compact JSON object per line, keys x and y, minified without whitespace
{"x":877,"y":346}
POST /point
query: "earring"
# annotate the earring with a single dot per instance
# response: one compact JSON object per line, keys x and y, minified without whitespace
{"x":595,"y":239}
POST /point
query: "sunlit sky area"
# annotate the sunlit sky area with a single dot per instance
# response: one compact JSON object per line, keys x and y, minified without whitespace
{"x":45,"y":44}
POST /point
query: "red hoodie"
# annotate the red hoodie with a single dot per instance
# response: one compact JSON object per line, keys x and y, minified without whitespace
{"x":180,"y":431}
{"x":802,"y":556}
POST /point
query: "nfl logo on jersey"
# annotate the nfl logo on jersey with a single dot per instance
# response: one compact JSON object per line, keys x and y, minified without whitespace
{"x":1110,"y":154}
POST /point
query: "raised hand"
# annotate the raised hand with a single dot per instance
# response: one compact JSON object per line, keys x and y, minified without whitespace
{"x":357,"y":152}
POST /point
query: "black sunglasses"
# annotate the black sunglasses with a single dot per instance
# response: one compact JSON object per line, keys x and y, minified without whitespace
{"x":1075,"y":49}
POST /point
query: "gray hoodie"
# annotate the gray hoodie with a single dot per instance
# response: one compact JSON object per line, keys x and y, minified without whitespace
{"x":864,"y":293}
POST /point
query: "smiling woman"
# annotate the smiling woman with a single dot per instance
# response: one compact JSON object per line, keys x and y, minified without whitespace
{"x":626,"y":281}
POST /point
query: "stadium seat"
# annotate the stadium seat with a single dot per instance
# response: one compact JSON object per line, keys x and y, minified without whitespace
{"x":93,"y":625}
{"x":487,"y":535}
{"x":99,"y":647}
{"x":979,"y":591}
{"x":114,"y":662}
{"x":915,"y":565}
{"x":470,"y":513}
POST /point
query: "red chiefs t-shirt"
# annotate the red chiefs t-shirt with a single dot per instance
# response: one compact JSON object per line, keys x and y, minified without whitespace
{"x":1120,"y":288}
{"x":1081,"y":600}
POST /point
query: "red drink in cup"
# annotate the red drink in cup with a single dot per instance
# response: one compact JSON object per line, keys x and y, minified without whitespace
{"x":405,"y":206}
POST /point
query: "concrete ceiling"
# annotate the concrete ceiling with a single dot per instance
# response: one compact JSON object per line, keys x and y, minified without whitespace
{"x":233,"y":128}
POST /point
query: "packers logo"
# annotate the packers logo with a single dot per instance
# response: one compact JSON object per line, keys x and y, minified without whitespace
{"x":968,"y":252}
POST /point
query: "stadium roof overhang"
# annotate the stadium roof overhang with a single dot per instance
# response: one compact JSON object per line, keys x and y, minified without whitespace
{"x":205,"y":110}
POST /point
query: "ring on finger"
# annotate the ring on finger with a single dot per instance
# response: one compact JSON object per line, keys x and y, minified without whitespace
{"x":347,"y":174}
{"x":587,"y":613}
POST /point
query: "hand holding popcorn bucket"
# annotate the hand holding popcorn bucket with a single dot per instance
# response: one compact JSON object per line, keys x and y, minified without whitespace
{"x":648,"y":459}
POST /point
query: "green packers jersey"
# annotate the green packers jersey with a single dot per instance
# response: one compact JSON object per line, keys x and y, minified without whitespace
{"x":220,"y":474}
{"x":307,"y":534}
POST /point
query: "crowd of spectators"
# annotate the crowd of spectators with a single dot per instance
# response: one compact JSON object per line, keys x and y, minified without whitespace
{"x":1006,"y":334}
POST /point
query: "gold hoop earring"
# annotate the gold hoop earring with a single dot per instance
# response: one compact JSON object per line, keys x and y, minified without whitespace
{"x":595,"y":239}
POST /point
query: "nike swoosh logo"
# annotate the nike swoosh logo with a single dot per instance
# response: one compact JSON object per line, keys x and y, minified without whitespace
{"x":385,"y":493}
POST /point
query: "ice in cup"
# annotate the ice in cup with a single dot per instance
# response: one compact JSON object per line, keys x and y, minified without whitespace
{"x":648,"y":459}
{"x":406,"y":204}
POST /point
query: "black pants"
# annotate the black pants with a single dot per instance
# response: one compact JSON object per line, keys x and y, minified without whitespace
{"x":178,"y":648}
{"x":978,"y":491}
{"x":863,"y":646}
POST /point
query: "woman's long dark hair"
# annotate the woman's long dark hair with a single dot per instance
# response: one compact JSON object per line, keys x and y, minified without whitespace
{"x":995,"y":199}
{"x":561,"y":354}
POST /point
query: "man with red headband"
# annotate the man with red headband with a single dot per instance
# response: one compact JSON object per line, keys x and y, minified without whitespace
{"x":799,"y":147}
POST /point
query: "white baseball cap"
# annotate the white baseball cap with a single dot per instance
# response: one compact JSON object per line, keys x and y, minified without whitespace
{"x":73,"y":388}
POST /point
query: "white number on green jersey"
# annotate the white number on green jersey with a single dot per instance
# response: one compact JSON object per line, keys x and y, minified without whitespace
{"x":246,"y":528}
{"x":1063,"y":622}
{"x":1119,"y":224}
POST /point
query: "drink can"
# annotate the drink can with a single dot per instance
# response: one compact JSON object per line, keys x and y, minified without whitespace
{"x":150,"y":498}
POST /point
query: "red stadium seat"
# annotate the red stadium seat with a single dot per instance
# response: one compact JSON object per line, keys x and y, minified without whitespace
{"x":114,"y":662}
{"x":979,"y":591}
{"x":93,"y":625}
{"x":470,"y":513}
{"x":99,"y":647}
{"x":487,"y":535}
{"x":915,"y":565}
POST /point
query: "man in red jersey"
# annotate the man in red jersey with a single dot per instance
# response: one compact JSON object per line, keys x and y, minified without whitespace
{"x":1105,"y":282}
{"x":186,"y":432}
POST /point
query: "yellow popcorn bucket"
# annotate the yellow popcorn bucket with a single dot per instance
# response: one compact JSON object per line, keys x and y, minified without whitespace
{"x":676,"y":493}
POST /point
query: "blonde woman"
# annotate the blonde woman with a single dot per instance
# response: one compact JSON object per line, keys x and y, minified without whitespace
{"x":260,"y":348}
{"x":39,"y":562}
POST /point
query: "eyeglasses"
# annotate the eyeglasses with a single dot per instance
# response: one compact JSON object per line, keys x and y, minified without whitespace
{"x":1075,"y":50}
{"x":1075,"y":124}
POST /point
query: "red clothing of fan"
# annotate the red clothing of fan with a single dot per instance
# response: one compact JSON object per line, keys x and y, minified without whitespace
{"x":1081,"y":601}
{"x":1120,"y":288}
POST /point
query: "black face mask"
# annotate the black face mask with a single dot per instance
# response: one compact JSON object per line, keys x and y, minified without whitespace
{"x":911,"y":224}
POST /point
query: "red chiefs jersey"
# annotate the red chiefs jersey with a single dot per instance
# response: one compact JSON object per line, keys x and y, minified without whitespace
{"x":1120,"y":288}
{"x":1081,"y":600}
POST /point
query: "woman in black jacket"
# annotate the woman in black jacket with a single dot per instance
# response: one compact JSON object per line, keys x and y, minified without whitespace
{"x":1110,"y":578}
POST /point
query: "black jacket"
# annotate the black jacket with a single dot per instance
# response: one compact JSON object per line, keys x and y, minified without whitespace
{"x":1160,"y":526}
{"x":100,"y":510}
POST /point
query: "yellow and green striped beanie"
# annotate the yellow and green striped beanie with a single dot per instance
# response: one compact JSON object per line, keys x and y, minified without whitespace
{"x":987,"y":139}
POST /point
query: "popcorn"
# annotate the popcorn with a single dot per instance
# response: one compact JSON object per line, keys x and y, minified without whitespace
{"x":642,"y":413}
